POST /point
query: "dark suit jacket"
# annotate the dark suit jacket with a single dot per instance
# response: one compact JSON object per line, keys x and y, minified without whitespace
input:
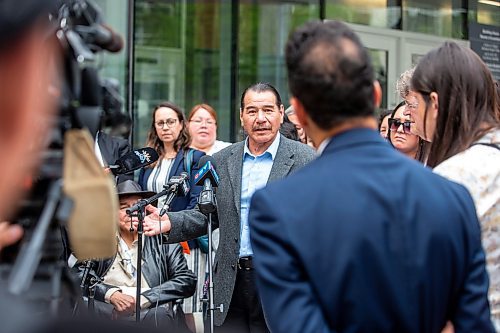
{"x":179,"y":203}
{"x":291,"y":155}
{"x":112,"y":148}
{"x":365,"y":240}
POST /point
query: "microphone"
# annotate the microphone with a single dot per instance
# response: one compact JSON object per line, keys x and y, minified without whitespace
{"x":134,"y":160}
{"x":206,"y":171}
{"x":178,"y":186}
{"x":208,"y":177}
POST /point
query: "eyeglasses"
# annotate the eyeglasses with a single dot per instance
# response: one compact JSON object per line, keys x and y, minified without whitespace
{"x":169,"y":122}
{"x":411,"y":105}
{"x":200,"y":121}
{"x":395,"y":123}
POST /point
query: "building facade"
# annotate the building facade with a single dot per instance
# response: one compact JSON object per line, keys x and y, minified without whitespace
{"x":208,"y":51}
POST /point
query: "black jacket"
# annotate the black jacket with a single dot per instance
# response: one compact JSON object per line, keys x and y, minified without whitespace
{"x":112,"y":148}
{"x":177,"y":280}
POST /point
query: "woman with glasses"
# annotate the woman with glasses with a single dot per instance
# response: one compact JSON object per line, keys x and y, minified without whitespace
{"x":203,"y":129}
{"x":399,"y":135}
{"x":457,"y":110}
{"x":169,"y":136}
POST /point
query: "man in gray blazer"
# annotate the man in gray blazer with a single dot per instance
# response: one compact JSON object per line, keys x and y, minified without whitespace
{"x":243,"y":168}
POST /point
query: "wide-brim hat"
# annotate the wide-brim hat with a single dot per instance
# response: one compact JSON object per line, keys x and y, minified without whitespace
{"x":130,"y":188}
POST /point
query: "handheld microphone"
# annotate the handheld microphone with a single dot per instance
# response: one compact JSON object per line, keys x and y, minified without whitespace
{"x":178,"y":186}
{"x":134,"y":160}
{"x":208,"y":177}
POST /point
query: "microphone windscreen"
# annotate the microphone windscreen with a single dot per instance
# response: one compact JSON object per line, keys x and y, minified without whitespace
{"x":204,"y":159}
{"x":137,"y":159}
{"x":92,"y":225}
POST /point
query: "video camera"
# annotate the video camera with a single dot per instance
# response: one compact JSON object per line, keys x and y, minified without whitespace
{"x":86,"y":102}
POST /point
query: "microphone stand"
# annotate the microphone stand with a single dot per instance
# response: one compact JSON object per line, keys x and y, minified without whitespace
{"x":88,"y":284}
{"x":85,"y":285}
{"x":140,"y":211}
{"x":208,"y":205}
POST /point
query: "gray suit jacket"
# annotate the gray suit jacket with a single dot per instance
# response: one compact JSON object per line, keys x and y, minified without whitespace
{"x":188,"y":224}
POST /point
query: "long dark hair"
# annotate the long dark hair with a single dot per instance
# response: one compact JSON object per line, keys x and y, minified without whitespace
{"x":182,"y":142}
{"x":423,"y":146}
{"x":467,"y":107}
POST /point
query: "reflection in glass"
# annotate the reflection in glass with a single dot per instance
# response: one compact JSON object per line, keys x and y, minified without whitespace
{"x":485,"y":12}
{"x":375,"y":13}
{"x":444,"y":18}
{"x":379,"y":61}
{"x":158,"y":23}
{"x":263,"y":30}
{"x":159,"y":59}
{"x":114,"y":65}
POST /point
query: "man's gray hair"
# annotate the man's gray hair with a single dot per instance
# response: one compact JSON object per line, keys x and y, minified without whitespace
{"x":289,"y":111}
{"x":403,"y":83}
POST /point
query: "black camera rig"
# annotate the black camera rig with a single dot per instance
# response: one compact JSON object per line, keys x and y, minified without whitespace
{"x":86,"y":102}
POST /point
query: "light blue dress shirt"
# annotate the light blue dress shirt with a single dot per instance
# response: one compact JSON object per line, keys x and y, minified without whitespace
{"x":255,"y":173}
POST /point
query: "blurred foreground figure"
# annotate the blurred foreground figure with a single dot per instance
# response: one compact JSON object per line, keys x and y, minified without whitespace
{"x":372,"y":241}
{"x":27,"y":105}
{"x":27,"y":76}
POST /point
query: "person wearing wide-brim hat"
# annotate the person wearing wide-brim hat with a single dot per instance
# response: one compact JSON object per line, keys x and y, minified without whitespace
{"x":165,"y":275}
{"x":131,"y":188}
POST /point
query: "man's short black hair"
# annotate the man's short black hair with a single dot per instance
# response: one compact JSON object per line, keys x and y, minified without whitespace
{"x":330,"y":73}
{"x":261,"y":87}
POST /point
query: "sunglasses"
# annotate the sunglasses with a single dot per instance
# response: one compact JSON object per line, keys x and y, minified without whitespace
{"x":395,"y":123}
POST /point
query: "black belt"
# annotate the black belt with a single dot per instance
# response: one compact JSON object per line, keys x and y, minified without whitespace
{"x":245,"y":263}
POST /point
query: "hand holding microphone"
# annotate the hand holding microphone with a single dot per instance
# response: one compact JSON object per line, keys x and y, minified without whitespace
{"x":176,"y":186}
{"x":154,"y":224}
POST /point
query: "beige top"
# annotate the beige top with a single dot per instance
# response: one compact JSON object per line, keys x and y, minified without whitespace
{"x":478,"y":169}
{"x":122,"y":273}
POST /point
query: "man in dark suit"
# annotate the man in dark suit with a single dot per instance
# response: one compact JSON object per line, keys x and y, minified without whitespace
{"x":362,"y":239}
{"x":242,"y":167}
{"x":109,"y":149}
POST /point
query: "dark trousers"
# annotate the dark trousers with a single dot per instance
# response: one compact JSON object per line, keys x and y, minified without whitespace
{"x":245,"y":311}
{"x":155,"y":317}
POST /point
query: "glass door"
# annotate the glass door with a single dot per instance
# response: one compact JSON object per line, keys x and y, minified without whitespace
{"x":383,"y":51}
